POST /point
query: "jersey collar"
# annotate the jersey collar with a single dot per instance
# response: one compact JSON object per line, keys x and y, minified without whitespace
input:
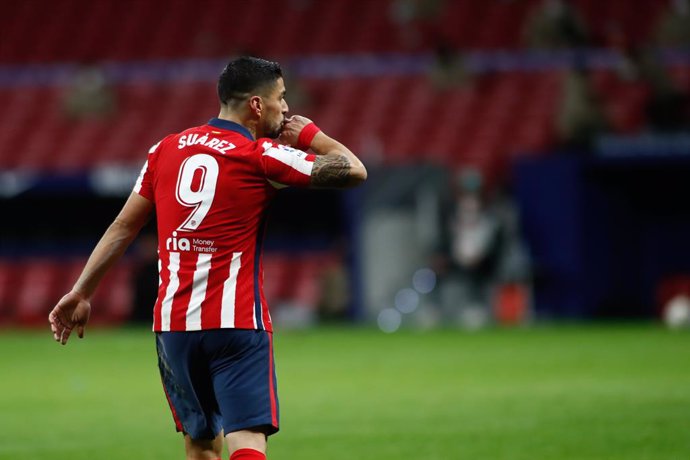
{"x":231,"y":126}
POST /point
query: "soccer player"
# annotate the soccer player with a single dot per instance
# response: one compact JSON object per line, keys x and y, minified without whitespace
{"x":209,"y":187}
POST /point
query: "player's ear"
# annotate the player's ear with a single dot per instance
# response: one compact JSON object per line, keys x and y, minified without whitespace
{"x":256,"y":104}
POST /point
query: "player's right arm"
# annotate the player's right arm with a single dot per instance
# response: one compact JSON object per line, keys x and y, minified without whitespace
{"x":74,"y":308}
{"x":335,"y":166}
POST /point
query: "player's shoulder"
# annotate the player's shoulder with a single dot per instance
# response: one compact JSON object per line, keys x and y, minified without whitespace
{"x":171,"y":139}
{"x":192,"y":135}
{"x":269,"y":147}
{"x":155,"y":148}
{"x":189,"y":136}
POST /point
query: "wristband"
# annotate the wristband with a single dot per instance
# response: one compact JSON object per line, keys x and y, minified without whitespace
{"x":306,"y":136}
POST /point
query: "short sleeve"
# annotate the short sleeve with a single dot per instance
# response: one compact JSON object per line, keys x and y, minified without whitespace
{"x":285,"y":166}
{"x":144,"y":183}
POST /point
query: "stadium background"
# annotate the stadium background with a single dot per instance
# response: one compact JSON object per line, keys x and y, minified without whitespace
{"x":572,"y":119}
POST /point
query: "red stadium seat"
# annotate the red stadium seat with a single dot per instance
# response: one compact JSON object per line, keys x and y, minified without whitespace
{"x":624,"y":105}
{"x":114,"y":300}
{"x":294,"y":279}
{"x":500,"y":113}
{"x":8,"y":290}
{"x":279,"y":270}
{"x":81,"y":30}
{"x":38,"y":290}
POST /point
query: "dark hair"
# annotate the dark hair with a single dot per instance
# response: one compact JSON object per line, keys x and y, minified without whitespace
{"x":244,"y":76}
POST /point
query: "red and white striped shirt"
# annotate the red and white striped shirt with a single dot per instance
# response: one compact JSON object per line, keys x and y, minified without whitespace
{"x":211,"y":186}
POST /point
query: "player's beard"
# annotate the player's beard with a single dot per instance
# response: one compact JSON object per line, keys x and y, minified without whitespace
{"x":273,"y":132}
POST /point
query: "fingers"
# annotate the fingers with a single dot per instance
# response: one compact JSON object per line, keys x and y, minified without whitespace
{"x":296,"y":123}
{"x":80,"y":331}
{"x":56,"y":332}
{"x":291,"y":129}
{"x":64,"y":335}
{"x":302,"y":120}
{"x":288,"y":136}
{"x":55,"y":326}
{"x":61,"y":329}
{"x":61,"y":333}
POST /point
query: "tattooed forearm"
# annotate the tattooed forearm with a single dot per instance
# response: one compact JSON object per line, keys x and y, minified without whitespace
{"x":330,"y":171}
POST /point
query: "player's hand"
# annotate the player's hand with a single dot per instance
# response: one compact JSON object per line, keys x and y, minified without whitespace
{"x":291,"y":129}
{"x":71,"y":311}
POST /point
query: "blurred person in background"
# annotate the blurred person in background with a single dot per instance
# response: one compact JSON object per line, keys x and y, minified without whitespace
{"x":470,"y":256}
{"x":334,"y":294}
{"x":449,"y":70}
{"x":89,"y":95}
{"x":673,"y":28}
{"x":416,"y":19}
{"x":210,"y":187}
{"x":667,"y":107}
{"x":555,"y":24}
{"x":581,"y":116}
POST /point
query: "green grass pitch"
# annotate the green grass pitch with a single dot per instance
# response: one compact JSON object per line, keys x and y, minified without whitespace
{"x":568,"y":392}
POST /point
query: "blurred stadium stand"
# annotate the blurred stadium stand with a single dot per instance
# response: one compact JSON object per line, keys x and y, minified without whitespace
{"x":82,"y":30}
{"x":29,"y":287}
{"x":361,"y":67}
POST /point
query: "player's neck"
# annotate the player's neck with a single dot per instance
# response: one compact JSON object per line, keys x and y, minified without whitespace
{"x":235,"y":118}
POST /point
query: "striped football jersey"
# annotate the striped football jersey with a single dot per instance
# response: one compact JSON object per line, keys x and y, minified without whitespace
{"x":211,"y":186}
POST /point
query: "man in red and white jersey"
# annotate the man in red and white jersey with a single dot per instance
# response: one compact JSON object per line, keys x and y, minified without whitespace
{"x":209,"y":187}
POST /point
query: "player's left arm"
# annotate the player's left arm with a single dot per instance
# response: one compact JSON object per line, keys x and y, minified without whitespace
{"x":334,"y":165}
{"x":285,"y":166}
{"x":74,"y":308}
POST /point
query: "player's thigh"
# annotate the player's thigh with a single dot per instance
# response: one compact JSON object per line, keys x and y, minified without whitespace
{"x":188,"y":385}
{"x":244,"y":380}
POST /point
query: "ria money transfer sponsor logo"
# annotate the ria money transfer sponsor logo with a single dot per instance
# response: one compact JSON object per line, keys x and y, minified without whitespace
{"x":176,"y":244}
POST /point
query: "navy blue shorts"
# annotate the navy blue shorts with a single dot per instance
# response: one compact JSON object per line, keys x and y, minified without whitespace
{"x":219,"y":379}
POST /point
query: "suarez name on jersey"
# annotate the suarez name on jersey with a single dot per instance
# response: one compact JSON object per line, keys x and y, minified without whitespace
{"x":211,"y":186}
